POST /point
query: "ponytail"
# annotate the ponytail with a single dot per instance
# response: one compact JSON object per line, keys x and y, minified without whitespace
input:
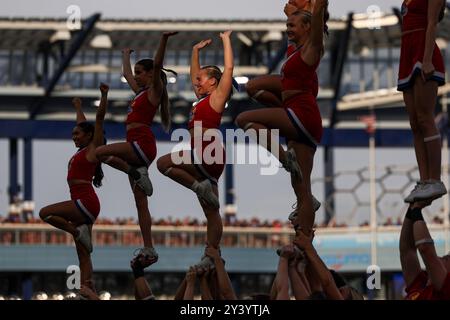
{"x":98,"y":176}
{"x":326,"y":17}
{"x":442,"y":13}
{"x":164,"y":104}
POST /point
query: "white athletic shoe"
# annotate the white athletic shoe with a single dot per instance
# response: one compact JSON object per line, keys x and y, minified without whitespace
{"x":299,"y":253}
{"x":293,"y":214}
{"x":145,"y":257}
{"x":432,"y":189}
{"x":205,"y":263}
{"x":144,"y":181}
{"x":291,"y":165}
{"x":84,"y":237}
{"x":410,"y":198}
{"x":205,"y":192}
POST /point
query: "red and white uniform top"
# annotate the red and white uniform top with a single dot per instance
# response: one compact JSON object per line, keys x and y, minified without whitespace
{"x":297,"y":75}
{"x":140,"y":109}
{"x":80,"y":168}
{"x":415,"y":14}
{"x":202,"y":111}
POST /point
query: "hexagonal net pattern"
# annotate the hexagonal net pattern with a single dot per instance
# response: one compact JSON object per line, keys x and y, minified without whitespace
{"x":352,"y":197}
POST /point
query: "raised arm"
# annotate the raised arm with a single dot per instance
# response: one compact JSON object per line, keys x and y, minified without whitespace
{"x":205,"y":291}
{"x":126,"y":70}
{"x":409,"y":260}
{"x":326,"y":279}
{"x":220,"y":96}
{"x":190,"y":284}
{"x":195,"y":61}
{"x":282,"y":277}
{"x":98,"y":139}
{"x":424,"y":242}
{"x":314,"y":51}
{"x":179,"y":295}
{"x":299,"y":288}
{"x":434,"y":9}
{"x":154,"y":95}
{"x":77,"y":105}
{"x":225,"y":286}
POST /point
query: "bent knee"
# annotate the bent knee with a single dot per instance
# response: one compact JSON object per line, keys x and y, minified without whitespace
{"x":242,"y":119}
{"x":44,"y":213}
{"x":251,"y":88}
{"x":100,"y":152}
{"x":163,"y":164}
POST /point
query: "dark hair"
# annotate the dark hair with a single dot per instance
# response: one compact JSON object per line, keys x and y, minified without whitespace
{"x":88,"y":127}
{"x":442,"y":12}
{"x":164,"y":104}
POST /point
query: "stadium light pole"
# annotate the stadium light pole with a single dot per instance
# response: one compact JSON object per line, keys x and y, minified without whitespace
{"x":370,"y":122}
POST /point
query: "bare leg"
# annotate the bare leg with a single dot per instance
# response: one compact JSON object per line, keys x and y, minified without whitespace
{"x":305,"y":156}
{"x":85,"y":266}
{"x":266,"y":90}
{"x":419,"y":144}
{"x":266,"y":119}
{"x":119,"y":151}
{"x":425,"y":96}
{"x":145,"y":220}
{"x":184,"y":174}
{"x":214,"y":227}
{"x":64,"y":216}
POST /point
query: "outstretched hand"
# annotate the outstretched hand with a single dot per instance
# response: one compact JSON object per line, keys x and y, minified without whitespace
{"x":76,"y":102}
{"x":202,"y":44}
{"x":169,"y":33}
{"x":427,"y":71}
{"x":104,"y":88}
{"x":127,"y":51}
{"x":289,"y":9}
{"x":302,"y":240}
{"x":287,"y":251}
{"x":191,"y":274}
{"x":226,"y":34}
{"x":212,"y":252}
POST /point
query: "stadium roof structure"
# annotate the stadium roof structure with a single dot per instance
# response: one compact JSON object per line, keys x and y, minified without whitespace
{"x":355,"y":35}
{"x":44,"y":63}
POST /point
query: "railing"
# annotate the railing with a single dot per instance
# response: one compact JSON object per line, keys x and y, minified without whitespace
{"x":175,"y":236}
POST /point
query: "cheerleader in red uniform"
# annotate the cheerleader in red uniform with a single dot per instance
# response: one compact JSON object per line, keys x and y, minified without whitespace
{"x":421,"y":71}
{"x":299,"y":120}
{"x":433,"y":283}
{"x":267,"y":90}
{"x":77,"y":216}
{"x":135,"y":156}
{"x":200,"y":168}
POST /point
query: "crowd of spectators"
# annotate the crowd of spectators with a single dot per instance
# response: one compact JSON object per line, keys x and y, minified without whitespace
{"x":195,"y":222}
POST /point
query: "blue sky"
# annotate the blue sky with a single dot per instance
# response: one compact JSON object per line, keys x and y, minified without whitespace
{"x":185,"y":9}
